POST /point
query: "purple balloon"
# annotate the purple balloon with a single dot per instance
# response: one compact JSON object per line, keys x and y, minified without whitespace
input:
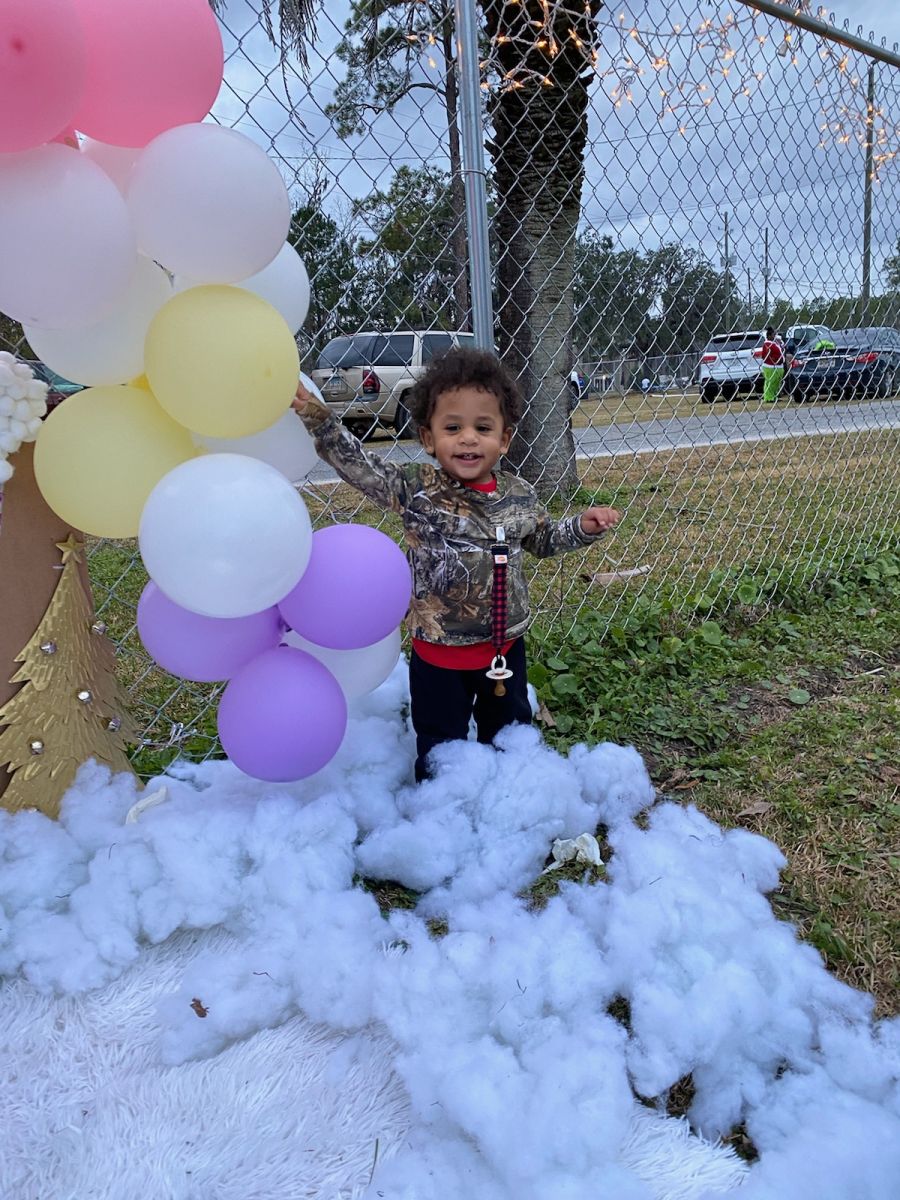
{"x":204,"y":649}
{"x":354,"y":591}
{"x":282,"y":717}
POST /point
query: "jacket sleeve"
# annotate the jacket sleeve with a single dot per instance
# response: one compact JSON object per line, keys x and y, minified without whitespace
{"x":382,"y":481}
{"x":557,"y":537}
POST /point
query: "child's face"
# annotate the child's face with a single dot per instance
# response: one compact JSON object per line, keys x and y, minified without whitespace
{"x":466,"y":434}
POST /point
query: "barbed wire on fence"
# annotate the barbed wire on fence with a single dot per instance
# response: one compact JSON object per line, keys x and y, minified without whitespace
{"x":659,"y":176}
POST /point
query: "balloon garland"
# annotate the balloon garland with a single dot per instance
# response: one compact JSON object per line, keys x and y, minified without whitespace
{"x":144,"y":250}
{"x":23,"y":402}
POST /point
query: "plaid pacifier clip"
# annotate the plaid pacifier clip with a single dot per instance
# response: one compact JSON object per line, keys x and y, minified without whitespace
{"x":499,"y":670}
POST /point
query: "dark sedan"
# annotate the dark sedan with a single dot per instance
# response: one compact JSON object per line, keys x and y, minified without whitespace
{"x":863,"y":362}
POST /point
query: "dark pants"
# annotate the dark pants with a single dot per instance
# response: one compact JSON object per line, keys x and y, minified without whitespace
{"x":443,"y":702}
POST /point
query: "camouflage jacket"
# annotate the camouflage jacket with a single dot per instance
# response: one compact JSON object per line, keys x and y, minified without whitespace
{"x":449,"y":530}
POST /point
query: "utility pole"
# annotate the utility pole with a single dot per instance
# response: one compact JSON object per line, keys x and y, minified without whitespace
{"x":866,"y":293}
{"x":766,"y":273}
{"x":749,"y":298}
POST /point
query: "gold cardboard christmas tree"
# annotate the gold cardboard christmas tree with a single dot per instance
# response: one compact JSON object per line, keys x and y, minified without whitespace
{"x":70,"y":707}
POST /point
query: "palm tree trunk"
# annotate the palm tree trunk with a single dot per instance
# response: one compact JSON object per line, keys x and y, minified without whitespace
{"x":539,"y":117}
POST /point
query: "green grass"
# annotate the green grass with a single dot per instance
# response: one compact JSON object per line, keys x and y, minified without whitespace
{"x":176,"y":717}
{"x":782,"y":719}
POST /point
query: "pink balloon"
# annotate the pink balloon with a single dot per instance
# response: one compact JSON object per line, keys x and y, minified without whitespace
{"x":204,"y":649}
{"x":283,"y":716}
{"x":41,"y":70}
{"x":151,"y":65}
{"x":354,"y":591}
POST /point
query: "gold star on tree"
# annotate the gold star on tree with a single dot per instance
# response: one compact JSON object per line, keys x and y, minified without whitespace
{"x":72,"y":547}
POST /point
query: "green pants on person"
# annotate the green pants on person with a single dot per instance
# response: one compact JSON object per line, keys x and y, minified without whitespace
{"x":772,"y":377}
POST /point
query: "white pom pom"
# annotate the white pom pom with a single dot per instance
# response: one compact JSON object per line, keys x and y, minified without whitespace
{"x":7,"y":405}
{"x":17,"y":389}
{"x":9,"y":443}
{"x":6,"y":471}
{"x":37,"y":390}
{"x":34,"y":428}
{"x":7,"y":359}
{"x":7,"y":378}
{"x":24,"y":372}
{"x":22,"y":411}
{"x":17,"y":428}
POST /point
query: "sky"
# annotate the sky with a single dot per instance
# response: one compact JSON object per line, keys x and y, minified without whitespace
{"x":753,"y":152}
{"x":184,"y":966}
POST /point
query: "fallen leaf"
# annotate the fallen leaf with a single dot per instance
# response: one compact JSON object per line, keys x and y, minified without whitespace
{"x":545,"y":716}
{"x":758,"y":808}
{"x":678,"y":774}
{"x":199,"y":1008}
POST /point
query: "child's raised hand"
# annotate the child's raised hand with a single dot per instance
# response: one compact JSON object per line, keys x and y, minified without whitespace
{"x":304,"y":401}
{"x":599,"y":520}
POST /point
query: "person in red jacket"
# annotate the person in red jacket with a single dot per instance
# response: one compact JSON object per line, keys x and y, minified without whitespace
{"x":772,"y":355}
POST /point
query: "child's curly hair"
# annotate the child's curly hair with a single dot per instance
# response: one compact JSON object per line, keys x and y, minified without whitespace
{"x":462,"y":367}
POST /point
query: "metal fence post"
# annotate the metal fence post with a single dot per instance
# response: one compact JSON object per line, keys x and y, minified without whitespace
{"x":472,"y":137}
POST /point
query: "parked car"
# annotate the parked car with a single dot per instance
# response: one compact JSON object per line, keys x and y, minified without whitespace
{"x":864,"y":362}
{"x":59,"y":387}
{"x":801,"y":338}
{"x":732,"y":362}
{"x":578,"y":388}
{"x":730,"y":365}
{"x":366,"y":377}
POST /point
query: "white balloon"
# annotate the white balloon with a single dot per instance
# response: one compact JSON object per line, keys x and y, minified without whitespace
{"x":225,"y":535}
{"x":357,"y":671}
{"x":67,"y":247}
{"x":110,"y":350}
{"x":116,"y":161}
{"x":208,"y":204}
{"x":286,"y":446}
{"x":285,"y":284}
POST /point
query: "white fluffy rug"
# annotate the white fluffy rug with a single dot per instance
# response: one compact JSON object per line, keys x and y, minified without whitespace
{"x":292,"y":1112}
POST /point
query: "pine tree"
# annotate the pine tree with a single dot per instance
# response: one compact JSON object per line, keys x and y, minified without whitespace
{"x":70,"y":707}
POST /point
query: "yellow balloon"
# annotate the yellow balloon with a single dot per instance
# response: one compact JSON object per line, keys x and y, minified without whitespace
{"x":99,"y":455}
{"x":221,"y":361}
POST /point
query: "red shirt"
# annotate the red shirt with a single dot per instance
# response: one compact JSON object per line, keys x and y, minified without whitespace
{"x":461,"y":658}
{"x":772,"y":353}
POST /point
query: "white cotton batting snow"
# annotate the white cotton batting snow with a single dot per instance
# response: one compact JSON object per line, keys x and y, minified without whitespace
{"x":348,"y":1056}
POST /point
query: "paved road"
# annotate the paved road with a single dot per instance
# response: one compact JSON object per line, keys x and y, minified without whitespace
{"x":715,"y":427}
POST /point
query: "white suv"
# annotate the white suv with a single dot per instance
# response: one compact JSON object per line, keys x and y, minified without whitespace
{"x":366,"y":378}
{"x":732,"y":362}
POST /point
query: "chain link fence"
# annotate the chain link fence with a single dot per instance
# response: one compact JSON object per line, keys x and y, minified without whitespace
{"x":657,"y":182}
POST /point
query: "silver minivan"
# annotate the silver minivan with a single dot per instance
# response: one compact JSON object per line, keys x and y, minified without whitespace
{"x":366,"y":377}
